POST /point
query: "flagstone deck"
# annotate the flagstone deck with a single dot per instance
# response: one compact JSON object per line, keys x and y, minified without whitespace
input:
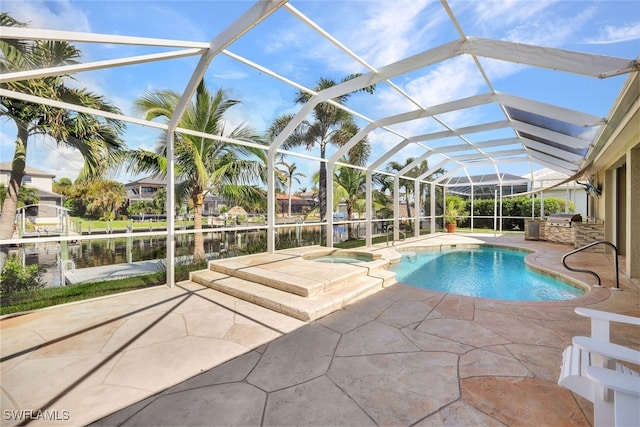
{"x":190,"y":355}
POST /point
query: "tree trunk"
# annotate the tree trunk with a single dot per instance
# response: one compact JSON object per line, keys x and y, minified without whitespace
{"x":8,"y":217}
{"x":351,"y":234}
{"x":290,"y":183}
{"x":198,"y":239}
{"x":322,"y":187}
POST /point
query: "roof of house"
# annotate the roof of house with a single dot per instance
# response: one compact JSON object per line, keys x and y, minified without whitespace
{"x":148,"y":180}
{"x":286,"y":197}
{"x":28,"y":170}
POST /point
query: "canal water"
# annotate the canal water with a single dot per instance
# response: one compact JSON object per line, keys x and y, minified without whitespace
{"x":59,"y":257}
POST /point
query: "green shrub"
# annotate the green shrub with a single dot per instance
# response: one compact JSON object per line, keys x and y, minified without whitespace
{"x":16,"y":278}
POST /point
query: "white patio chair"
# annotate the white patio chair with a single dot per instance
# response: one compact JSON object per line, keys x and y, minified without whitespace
{"x":592,"y":368}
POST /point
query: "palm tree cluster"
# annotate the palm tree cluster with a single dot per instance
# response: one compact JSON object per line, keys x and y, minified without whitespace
{"x":205,"y":162}
{"x":98,"y":139}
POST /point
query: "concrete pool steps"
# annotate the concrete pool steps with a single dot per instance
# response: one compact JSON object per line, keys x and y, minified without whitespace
{"x":299,"y":307}
{"x":294,"y":274}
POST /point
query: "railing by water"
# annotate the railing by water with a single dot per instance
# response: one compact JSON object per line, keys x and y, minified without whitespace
{"x":593,"y":273}
{"x":391,"y":228}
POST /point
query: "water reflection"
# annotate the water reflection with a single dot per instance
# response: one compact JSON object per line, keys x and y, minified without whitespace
{"x":93,"y":253}
{"x":58,"y":257}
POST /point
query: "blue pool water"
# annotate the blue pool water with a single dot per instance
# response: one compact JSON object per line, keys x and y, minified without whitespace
{"x":488,"y":272}
{"x":341,"y":259}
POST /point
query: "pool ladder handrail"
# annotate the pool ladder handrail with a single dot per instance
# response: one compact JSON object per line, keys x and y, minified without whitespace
{"x":596,"y":275}
{"x":391,"y":227}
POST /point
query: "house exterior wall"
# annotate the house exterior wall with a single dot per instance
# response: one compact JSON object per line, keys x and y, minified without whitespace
{"x":46,"y":213}
{"x":34,"y":178}
{"x":633,"y":220}
{"x":618,"y":158}
{"x":40,"y":182}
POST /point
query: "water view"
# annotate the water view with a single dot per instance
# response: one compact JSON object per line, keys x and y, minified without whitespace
{"x":102,"y":251}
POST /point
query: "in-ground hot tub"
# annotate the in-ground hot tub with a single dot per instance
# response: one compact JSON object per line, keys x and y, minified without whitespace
{"x":341,"y":257}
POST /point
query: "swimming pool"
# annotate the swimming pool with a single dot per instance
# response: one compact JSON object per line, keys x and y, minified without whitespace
{"x":486,"y":272}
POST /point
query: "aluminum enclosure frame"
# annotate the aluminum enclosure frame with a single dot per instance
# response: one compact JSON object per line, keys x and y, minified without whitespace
{"x":536,"y":139}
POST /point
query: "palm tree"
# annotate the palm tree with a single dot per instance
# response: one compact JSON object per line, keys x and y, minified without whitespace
{"x":290,"y":175}
{"x":105,"y":197}
{"x":26,"y":196}
{"x":331,"y":125}
{"x":97,"y":139}
{"x":63,"y":186}
{"x":406,"y":184}
{"x":202,"y":165}
{"x":414,"y":172}
{"x":350,"y":186}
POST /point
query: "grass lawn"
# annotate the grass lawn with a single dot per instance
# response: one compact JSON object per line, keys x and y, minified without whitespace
{"x":41,"y":298}
{"x":121,"y":225}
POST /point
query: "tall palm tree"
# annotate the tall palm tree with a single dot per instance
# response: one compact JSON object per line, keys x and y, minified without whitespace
{"x":202,"y":165}
{"x":97,"y":139}
{"x":289,"y":175}
{"x":406,"y":184}
{"x":330,"y":125}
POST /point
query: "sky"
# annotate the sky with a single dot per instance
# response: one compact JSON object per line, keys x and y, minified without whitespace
{"x":379,"y":32}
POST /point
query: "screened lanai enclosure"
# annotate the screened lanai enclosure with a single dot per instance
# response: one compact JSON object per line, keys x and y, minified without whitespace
{"x":454,"y":111}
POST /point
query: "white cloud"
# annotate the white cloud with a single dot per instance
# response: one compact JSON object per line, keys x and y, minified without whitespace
{"x":506,"y":13}
{"x":42,"y":153}
{"x":380,"y":32}
{"x":45,"y":154}
{"x":550,"y":29}
{"x":382,"y":142}
{"x":58,"y":15}
{"x":389,"y":29}
{"x":611,"y":34}
{"x":63,"y":163}
{"x":453,"y":79}
{"x":545,"y":23}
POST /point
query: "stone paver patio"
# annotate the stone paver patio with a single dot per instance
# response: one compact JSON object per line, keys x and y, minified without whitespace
{"x":190,"y":355}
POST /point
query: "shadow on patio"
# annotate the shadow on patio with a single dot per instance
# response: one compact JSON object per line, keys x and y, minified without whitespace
{"x":402,"y":356}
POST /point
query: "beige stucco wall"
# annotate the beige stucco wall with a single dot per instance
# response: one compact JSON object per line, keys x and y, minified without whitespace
{"x":616,"y":168}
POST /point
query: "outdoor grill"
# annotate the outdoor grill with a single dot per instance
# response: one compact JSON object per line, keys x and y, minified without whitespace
{"x":563,"y":220}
